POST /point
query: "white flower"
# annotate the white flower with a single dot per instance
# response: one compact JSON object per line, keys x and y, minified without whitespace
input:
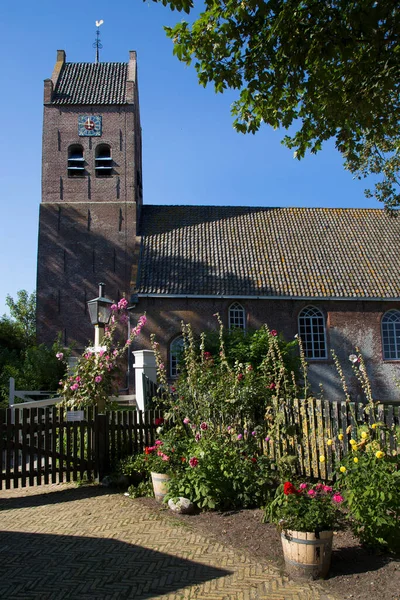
{"x":353,"y":358}
{"x":159,"y":430}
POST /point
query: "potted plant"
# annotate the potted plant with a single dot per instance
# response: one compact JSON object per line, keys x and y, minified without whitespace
{"x":306,"y":517}
{"x":163,"y":459}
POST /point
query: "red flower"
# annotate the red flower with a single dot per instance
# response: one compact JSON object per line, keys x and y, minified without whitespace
{"x":274,"y":332}
{"x":253,"y":460}
{"x":288,"y":488}
{"x":240,"y":377}
{"x":158,"y":421}
{"x":272,"y":386}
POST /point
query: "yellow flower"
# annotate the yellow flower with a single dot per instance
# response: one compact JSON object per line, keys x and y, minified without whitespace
{"x":379,"y":454}
{"x":329,"y":442}
{"x":343,"y":469}
{"x":353,"y":442}
{"x":364,"y":435}
{"x":374,"y":426}
{"x":322,"y":459}
{"x":355,"y":459}
{"x":340,"y":436}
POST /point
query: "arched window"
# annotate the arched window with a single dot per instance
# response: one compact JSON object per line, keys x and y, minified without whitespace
{"x":312,"y":332}
{"x":76,"y":162}
{"x":103,"y":162}
{"x":175,"y":353}
{"x":391,"y":335}
{"x":237,"y":316}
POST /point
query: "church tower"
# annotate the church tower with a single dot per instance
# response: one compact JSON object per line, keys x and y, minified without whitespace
{"x":91,"y":193}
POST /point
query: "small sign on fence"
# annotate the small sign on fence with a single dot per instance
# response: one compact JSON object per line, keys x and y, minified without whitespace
{"x":75,"y":415}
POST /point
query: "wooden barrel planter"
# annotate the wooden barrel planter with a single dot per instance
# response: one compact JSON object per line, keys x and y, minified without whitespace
{"x":160,"y":485}
{"x":307,"y":555}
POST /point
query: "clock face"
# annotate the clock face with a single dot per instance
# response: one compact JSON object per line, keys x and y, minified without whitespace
{"x":89,"y":125}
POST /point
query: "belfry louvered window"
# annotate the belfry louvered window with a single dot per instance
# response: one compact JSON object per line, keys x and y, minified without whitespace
{"x":104,"y":162}
{"x":76,"y":161}
{"x":237,"y":316}
{"x":175,"y":353}
{"x":391,"y":335}
{"x":312,"y":332}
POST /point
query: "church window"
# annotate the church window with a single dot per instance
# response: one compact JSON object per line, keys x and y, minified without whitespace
{"x":76,"y":161}
{"x":312,"y":332}
{"x":104,"y":162}
{"x":391,"y":335}
{"x":175,"y":352}
{"x":237,"y":316}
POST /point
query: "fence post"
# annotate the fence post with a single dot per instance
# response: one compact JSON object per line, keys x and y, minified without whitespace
{"x":145,"y":362}
{"x":102,"y":445}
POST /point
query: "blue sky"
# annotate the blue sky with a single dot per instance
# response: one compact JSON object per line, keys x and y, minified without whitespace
{"x":191,"y":153}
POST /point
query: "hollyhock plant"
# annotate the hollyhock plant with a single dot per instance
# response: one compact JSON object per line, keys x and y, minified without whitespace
{"x":309,"y":507}
{"x":97,"y":375}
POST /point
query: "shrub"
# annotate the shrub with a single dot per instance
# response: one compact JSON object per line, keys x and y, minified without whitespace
{"x":370,"y":479}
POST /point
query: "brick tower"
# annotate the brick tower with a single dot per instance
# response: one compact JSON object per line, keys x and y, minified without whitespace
{"x":91,"y":192}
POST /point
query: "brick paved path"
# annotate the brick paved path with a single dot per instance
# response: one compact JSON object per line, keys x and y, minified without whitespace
{"x":64,"y":542}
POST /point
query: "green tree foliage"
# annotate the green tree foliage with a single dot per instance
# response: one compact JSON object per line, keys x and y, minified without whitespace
{"x":323,"y":69}
{"x":34,"y":367}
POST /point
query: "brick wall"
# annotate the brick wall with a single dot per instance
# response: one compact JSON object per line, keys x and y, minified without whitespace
{"x":348,"y":324}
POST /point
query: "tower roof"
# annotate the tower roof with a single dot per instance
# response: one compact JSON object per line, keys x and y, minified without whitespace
{"x":91,"y":83}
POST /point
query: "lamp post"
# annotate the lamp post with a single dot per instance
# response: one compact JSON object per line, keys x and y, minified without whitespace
{"x":100,"y":313}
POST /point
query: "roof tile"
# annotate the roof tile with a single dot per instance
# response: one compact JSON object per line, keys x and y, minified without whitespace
{"x":91,"y":83}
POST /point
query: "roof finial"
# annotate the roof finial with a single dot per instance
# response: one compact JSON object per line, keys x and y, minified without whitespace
{"x":97,"y":44}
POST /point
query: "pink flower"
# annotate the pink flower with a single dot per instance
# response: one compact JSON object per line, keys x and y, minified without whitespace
{"x":186,"y":420}
{"x":193,"y":462}
{"x":115,"y":352}
{"x":74,"y":387}
{"x":77,"y":378}
{"x":203,"y":426}
{"x":274,"y":332}
{"x":197,"y":437}
{"x":337,"y":498}
{"x":142,"y":320}
{"x":207,"y":355}
{"x":253,"y":433}
{"x":114,"y":307}
{"x":98,"y":378}
{"x":228,"y":428}
{"x":123,"y":319}
{"x":158,"y":443}
{"x":59,"y":355}
{"x":161,"y":366}
{"x":239,"y":437}
{"x":249,"y":368}
{"x":101,"y":352}
{"x":319,"y":486}
{"x":303,"y":486}
{"x":173,"y":389}
{"x":311,"y":493}
{"x":327,"y":488}
{"x":267,"y":438}
{"x":122,"y":304}
{"x":272,"y":386}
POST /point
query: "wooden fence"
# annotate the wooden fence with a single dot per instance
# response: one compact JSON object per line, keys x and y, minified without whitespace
{"x":309,"y":424}
{"x":42,"y":445}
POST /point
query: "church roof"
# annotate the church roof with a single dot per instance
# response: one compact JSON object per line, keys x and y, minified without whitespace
{"x":269,"y":252}
{"x":91,"y":83}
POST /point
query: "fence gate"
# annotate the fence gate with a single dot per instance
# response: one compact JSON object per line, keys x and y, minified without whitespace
{"x":48,"y":445}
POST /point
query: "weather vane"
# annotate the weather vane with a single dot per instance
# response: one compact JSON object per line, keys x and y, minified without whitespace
{"x":97,"y":44}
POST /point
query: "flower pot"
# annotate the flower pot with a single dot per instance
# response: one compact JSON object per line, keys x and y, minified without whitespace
{"x":160,"y":485}
{"x":307,"y":555}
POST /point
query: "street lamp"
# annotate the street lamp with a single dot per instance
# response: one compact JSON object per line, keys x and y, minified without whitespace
{"x":100,"y":313}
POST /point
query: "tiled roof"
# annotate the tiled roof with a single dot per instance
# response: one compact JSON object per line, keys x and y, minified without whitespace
{"x":91,"y":83}
{"x":284,"y":252}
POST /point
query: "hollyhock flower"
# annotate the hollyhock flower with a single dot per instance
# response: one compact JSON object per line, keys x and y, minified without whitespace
{"x":114,"y":307}
{"x":162,"y":366}
{"x":186,"y":420}
{"x":158,"y":443}
{"x":77,"y":378}
{"x":303,"y":486}
{"x":158,"y":421}
{"x":228,"y":428}
{"x":203,"y":426}
{"x":115,"y":352}
{"x":59,"y":355}
{"x":74,"y":387}
{"x":327,"y":489}
{"x":311,"y":493}
{"x":207,"y":355}
{"x":101,"y":352}
{"x":249,"y":368}
{"x":98,"y":378}
{"x":337,"y":498}
{"x":245,"y":431}
{"x":353,"y":358}
{"x":197,"y":437}
{"x":267,"y":438}
{"x":240,"y":376}
{"x":193,"y":462}
{"x":253,"y":433}
{"x":239,"y":437}
{"x":142,"y":320}
{"x":272,"y":386}
{"x":319,"y":486}
{"x":193,"y":426}
{"x":173,"y":389}
{"x":288,"y":488}
{"x":122,"y":304}
{"x":254,"y":460}
{"x":123,"y":319}
{"x":273,"y":332}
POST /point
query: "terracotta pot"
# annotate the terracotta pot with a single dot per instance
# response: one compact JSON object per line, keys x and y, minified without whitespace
{"x":160,"y":485}
{"x":307,"y":555}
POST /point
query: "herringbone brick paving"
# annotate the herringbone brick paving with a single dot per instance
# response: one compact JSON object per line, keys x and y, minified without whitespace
{"x":61,"y":542}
